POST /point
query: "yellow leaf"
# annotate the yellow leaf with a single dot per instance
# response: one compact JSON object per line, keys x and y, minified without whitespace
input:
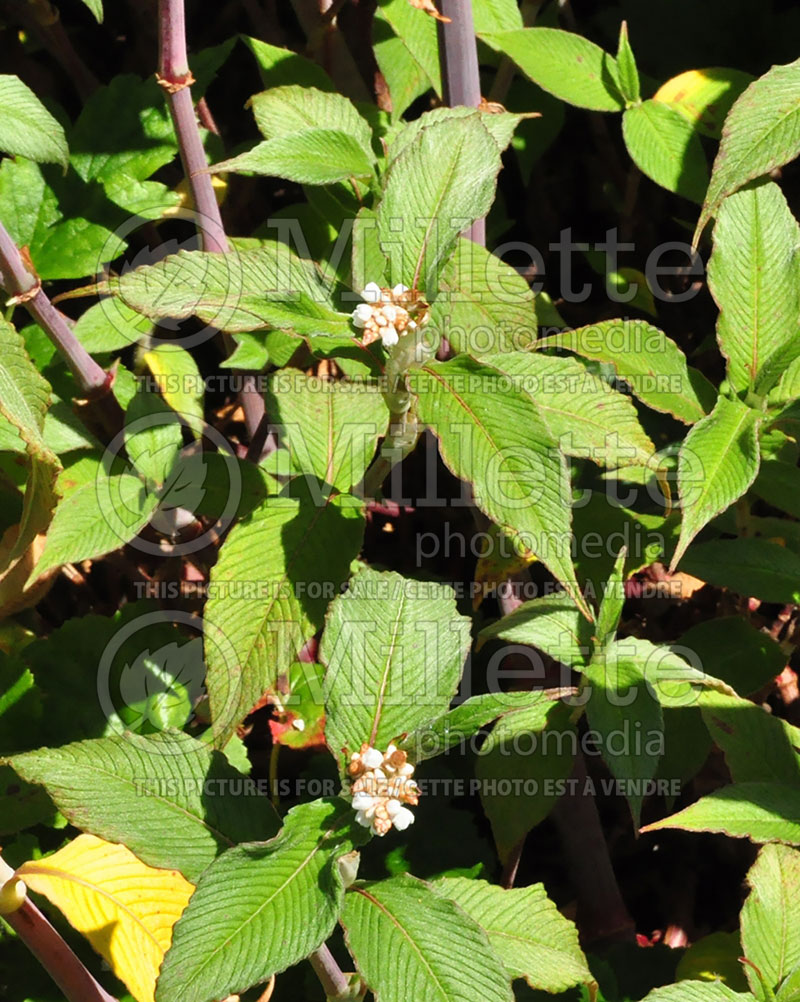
{"x":704,"y":96}
{"x":124,"y":908}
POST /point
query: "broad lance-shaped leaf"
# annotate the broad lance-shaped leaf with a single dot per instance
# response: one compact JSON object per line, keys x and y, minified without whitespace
{"x":331,"y":428}
{"x":24,"y":399}
{"x":526,"y":931}
{"x":704,"y":96}
{"x":747,"y":565}
{"x":739,"y":726}
{"x":762,"y":812}
{"x":125,"y":909}
{"x":754,"y":276}
{"x":27,"y":128}
{"x":239,"y":291}
{"x":287,"y":110}
{"x":97,"y":518}
{"x":665,"y":147}
{"x":262,"y":906}
{"x":483,"y":305}
{"x":697,"y":991}
{"x":521,"y":768}
{"x":400,"y":65}
{"x":621,"y":699}
{"x":314,"y":156}
{"x":435,"y":736}
{"x":565,"y":64}
{"x":551,"y":623}
{"x":417,"y":32}
{"x":394,"y":649}
{"x":643,"y":357}
{"x":492,"y":436}
{"x":761,"y":132}
{"x":611,"y":603}
{"x":499,"y":124}
{"x":441,"y":183}
{"x":408,"y":942}
{"x":770,"y":917}
{"x":171,"y":799}
{"x":276,"y":575}
{"x":718,"y":461}
{"x":179,"y":381}
{"x":584,"y":415}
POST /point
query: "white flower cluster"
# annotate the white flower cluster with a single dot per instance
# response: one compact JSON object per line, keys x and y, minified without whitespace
{"x":381,"y":784}
{"x":383,"y":315}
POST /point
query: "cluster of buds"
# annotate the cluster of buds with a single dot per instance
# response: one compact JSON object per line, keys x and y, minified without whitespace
{"x":388,"y":313}
{"x":380,"y":784}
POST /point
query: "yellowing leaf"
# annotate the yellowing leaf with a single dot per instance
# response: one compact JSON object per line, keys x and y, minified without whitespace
{"x":704,"y":96}
{"x":124,"y":908}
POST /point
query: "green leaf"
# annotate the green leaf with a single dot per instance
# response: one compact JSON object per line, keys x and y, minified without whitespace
{"x":704,"y":96}
{"x":754,"y":277}
{"x":282,"y":111}
{"x":665,"y":147}
{"x":762,"y":812}
{"x":551,"y":623}
{"x":493,"y":437}
{"x":649,"y":362}
{"x":729,"y":648}
{"x":394,"y":648}
{"x":96,"y":7}
{"x":110,"y":325}
{"x":714,"y":958}
{"x":526,"y":931}
{"x":276,"y":574}
{"x":611,"y":603}
{"x":565,"y":64}
{"x":279,"y":66}
{"x":761,"y":132}
{"x":626,"y":67}
{"x":410,"y":943}
{"x":95,"y":519}
{"x":153,"y":436}
{"x":24,"y":400}
{"x":697,"y":991}
{"x":499,"y":124}
{"x":739,"y":726}
{"x":770,"y":917}
{"x":621,"y":698}
{"x":522,"y":768}
{"x":331,"y":428}
{"x":405,"y":78}
{"x":717,"y":463}
{"x":779,"y":484}
{"x":179,"y":381}
{"x":314,"y":156}
{"x":171,"y":799}
{"x":436,"y":736}
{"x":417,"y":32}
{"x":443,"y":181}
{"x":261,"y":907}
{"x":750,"y":566}
{"x":496,"y":15}
{"x":265,"y":287}
{"x":483,"y":305}
{"x":583,"y":414}
{"x":368,"y":262}
{"x":27,"y":128}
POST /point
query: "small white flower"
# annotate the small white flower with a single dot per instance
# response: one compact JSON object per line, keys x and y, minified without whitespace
{"x":371,"y":293}
{"x":298,"y":724}
{"x":363,"y":801}
{"x":361,"y":314}
{"x":372,"y":758}
{"x":402,"y":818}
{"x":390,"y":751}
{"x":399,"y":289}
{"x":389,"y":336}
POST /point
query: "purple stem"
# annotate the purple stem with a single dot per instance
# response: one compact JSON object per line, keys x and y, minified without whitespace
{"x":52,"y":952}
{"x":329,"y":973}
{"x":461,"y":82}
{"x":175,"y":77}
{"x":91,"y":378}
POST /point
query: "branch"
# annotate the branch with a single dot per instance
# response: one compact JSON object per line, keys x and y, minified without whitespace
{"x":176,"y":79}
{"x":52,"y":952}
{"x":458,"y":58}
{"x":331,"y":976}
{"x":101,"y":410}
